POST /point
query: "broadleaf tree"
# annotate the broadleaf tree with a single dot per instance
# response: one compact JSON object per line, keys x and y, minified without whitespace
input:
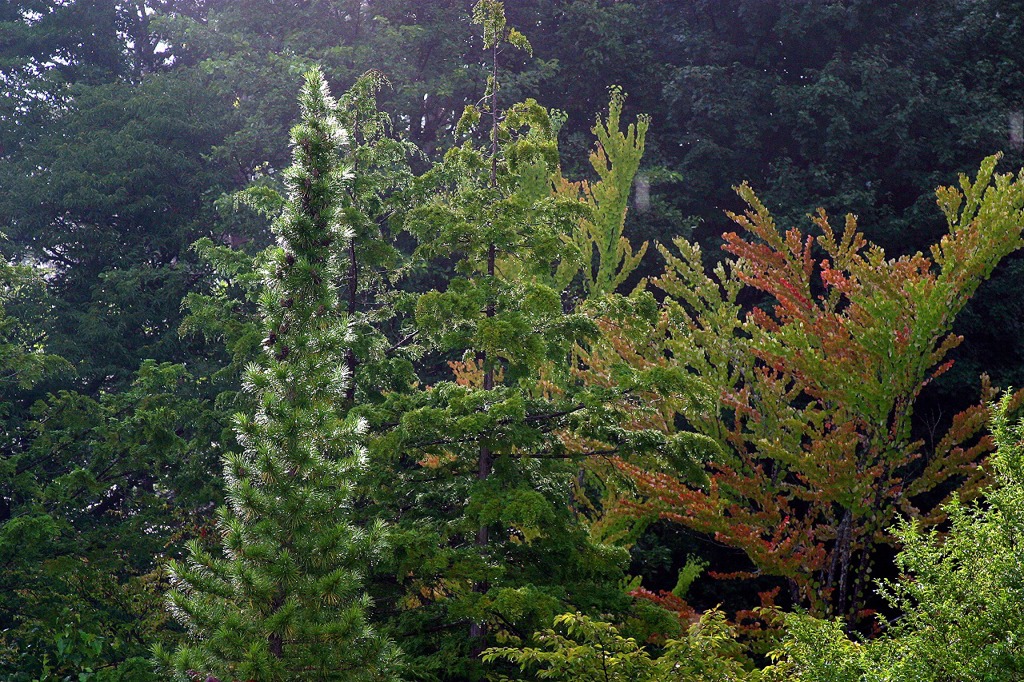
{"x":958,"y":593}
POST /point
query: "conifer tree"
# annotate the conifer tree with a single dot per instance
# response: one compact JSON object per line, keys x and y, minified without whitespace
{"x":608,"y":257}
{"x":286,"y":601}
{"x":489,"y":207}
{"x":817,"y":391}
{"x":490,"y":541}
{"x":379,"y":357}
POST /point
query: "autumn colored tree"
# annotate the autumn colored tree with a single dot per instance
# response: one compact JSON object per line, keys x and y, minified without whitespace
{"x":958,"y":593}
{"x":818,"y":386}
{"x":643,"y":395}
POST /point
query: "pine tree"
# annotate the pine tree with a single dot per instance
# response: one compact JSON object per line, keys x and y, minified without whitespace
{"x":286,"y":601}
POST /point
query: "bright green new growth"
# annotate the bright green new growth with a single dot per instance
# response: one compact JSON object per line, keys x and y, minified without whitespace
{"x":286,"y":602}
{"x":490,"y":14}
{"x":582,"y":648}
{"x":608,"y":256}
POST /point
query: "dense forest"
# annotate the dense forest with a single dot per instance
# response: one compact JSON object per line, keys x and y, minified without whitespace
{"x":454,"y":340}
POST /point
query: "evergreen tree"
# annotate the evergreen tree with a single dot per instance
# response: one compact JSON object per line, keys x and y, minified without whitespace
{"x":95,"y":493}
{"x":491,"y":540}
{"x":286,"y":602}
{"x":107,"y":174}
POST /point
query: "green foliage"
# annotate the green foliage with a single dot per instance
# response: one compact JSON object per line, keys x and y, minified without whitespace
{"x":607,"y":256}
{"x":109,"y":195}
{"x":690,"y":571}
{"x":582,"y":648}
{"x":99,"y":495}
{"x":23,"y":345}
{"x":126,"y":128}
{"x":491,"y":539}
{"x":91,"y":488}
{"x":82,"y":656}
{"x":589,"y":650}
{"x":958,"y":594}
{"x":286,"y":601}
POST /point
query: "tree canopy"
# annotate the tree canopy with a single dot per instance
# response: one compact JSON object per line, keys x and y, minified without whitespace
{"x":520,"y":345}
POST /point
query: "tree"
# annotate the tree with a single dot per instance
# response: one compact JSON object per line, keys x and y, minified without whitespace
{"x":958,"y":593}
{"x":818,"y":387}
{"x":490,"y":539}
{"x":96,"y":492}
{"x":891,"y":100}
{"x":91,"y":489}
{"x":107,"y":182}
{"x":286,"y":601}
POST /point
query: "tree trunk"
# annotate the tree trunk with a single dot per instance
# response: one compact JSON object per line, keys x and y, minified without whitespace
{"x":350,"y":355}
{"x":485,"y":462}
{"x":839,"y":566}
